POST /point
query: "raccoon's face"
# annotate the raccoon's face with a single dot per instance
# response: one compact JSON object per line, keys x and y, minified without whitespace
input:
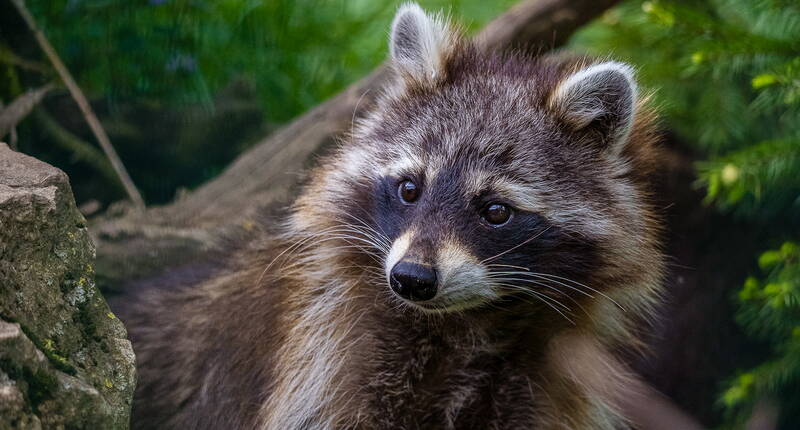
{"x":486,"y":179}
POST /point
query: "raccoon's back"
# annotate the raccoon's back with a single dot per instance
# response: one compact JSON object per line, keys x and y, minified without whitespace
{"x":203,"y":338}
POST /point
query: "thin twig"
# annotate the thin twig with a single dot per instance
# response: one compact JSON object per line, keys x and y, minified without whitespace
{"x":9,"y":57}
{"x":83,"y":104}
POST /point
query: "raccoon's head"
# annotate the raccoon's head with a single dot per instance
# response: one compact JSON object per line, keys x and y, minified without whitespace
{"x":479,"y":179}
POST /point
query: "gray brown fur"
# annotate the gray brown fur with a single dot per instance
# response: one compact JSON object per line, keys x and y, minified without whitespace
{"x":299,"y":329}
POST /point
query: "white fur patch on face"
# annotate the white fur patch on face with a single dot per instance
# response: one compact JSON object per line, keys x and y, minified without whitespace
{"x":398,"y":251}
{"x":403,"y":165}
{"x":355,"y":164}
{"x":463,"y":281}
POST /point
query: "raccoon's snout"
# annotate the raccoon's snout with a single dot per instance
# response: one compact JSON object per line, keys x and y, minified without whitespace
{"x":413,"y":281}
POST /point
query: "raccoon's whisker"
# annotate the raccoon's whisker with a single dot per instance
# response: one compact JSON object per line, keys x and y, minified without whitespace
{"x":348,"y":237}
{"x":525,"y":289}
{"x":355,"y":110}
{"x":330,"y":237}
{"x":366,"y":231}
{"x":543,"y":299}
{"x":555,"y":278}
{"x":365,"y":224}
{"x":303,"y":241}
{"x":536,"y":275}
{"x":290,"y":249}
{"x":380,"y":234}
{"x":536,"y":283}
{"x":369,"y":275}
{"x":341,"y":233}
{"x":370,"y":269}
{"x":535,"y":236}
{"x":527,"y":292}
{"x":376,"y":257}
{"x":376,"y":241}
{"x":584,"y":286}
{"x":550,"y":287}
{"x":508,"y":265}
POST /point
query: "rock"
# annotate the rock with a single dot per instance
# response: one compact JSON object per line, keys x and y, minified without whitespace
{"x":65,"y":360}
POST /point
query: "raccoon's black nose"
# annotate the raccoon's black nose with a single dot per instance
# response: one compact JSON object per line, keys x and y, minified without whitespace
{"x":413,"y":281}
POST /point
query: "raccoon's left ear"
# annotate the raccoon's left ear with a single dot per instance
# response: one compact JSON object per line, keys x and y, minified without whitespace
{"x":419,"y":43}
{"x":599,"y":98}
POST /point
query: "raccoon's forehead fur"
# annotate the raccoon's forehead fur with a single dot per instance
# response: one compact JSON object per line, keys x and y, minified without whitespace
{"x":565,"y":142}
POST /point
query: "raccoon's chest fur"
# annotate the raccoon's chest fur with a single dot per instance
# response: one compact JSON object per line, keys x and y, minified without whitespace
{"x":432,"y":382}
{"x":426,"y":372}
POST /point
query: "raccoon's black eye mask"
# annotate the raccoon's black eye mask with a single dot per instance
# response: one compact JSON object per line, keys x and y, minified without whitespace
{"x":494,"y":213}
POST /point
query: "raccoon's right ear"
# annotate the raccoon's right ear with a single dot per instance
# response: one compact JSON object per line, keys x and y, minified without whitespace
{"x":419,"y":43}
{"x":601,"y":98}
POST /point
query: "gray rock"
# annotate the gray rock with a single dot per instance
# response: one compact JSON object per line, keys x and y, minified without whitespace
{"x":65,"y":360}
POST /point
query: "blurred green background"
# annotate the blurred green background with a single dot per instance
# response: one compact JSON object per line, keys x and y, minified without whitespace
{"x":184,"y":86}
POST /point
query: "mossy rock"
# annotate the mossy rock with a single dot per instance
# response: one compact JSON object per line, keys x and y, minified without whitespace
{"x":65,"y":360}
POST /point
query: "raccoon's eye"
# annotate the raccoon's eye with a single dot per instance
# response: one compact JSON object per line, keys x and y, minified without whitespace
{"x":408,"y":191}
{"x":496,"y":214}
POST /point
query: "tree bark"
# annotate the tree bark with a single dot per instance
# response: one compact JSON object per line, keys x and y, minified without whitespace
{"x":135,"y":244}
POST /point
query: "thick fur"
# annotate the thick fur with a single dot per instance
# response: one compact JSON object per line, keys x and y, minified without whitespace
{"x":298,"y":329}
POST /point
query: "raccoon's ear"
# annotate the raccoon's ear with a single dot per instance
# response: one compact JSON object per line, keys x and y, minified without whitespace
{"x":419,"y":44}
{"x":600,"y":98}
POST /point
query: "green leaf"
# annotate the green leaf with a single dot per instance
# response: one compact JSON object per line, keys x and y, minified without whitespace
{"x":764,"y":80}
{"x":769,"y":259}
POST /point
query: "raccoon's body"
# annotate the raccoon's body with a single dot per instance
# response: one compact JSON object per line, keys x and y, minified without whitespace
{"x":456,"y":263}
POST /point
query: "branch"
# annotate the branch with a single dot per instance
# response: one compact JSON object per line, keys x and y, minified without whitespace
{"x":83,"y":104}
{"x":548,"y":23}
{"x":14,"y":113}
{"x":9,"y":57}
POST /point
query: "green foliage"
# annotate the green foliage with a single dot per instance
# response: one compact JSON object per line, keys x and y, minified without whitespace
{"x":762,"y":178}
{"x":727,"y":75}
{"x":770,"y":312}
{"x":297,"y":52}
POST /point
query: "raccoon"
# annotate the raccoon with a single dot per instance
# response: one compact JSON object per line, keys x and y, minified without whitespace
{"x":454,"y":263}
